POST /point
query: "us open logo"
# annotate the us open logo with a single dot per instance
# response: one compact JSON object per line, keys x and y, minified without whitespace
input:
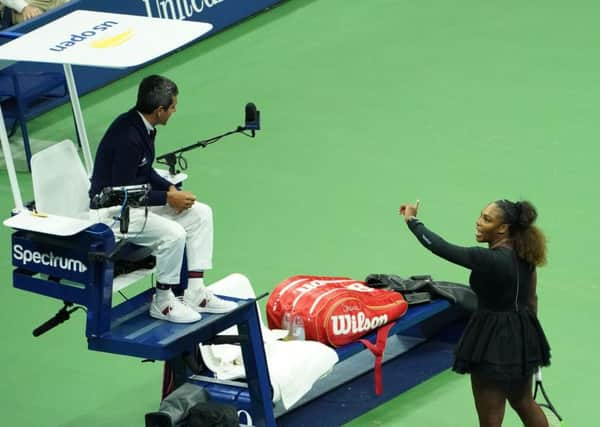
{"x":92,"y":35}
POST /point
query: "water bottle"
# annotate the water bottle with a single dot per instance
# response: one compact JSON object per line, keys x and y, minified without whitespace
{"x":298,"y":328}
{"x":286,"y":323}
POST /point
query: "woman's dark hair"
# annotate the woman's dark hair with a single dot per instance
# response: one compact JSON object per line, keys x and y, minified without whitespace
{"x":155,"y":91}
{"x":529,"y":241}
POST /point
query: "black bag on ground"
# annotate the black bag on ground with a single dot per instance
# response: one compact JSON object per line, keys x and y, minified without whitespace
{"x":189,"y":406}
{"x":211,"y":414}
{"x":419,"y":289}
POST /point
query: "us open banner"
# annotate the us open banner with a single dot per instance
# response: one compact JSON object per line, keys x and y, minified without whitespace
{"x":102,"y":39}
{"x":220,"y":14}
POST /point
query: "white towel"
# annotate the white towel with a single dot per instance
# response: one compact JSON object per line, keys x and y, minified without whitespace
{"x":294,"y":366}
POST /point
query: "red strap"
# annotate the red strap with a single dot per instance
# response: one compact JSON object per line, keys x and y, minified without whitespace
{"x":377,"y":349}
{"x":167,"y":384}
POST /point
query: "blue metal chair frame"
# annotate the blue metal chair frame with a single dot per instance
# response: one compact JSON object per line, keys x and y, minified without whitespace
{"x":19,"y":91}
{"x":420,"y":345}
{"x":78,"y":269}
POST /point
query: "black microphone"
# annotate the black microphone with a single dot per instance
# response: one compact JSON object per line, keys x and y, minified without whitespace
{"x":252,"y":121}
{"x":62,"y":315}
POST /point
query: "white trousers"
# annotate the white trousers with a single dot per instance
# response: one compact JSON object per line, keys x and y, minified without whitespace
{"x":168,"y":233}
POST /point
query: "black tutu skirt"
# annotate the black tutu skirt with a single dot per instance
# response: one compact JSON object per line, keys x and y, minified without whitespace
{"x":503,"y":346}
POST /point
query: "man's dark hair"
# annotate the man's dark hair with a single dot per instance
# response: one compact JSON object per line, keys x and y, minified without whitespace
{"x":155,"y":91}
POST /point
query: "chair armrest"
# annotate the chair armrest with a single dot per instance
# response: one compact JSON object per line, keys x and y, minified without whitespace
{"x":55,"y":225}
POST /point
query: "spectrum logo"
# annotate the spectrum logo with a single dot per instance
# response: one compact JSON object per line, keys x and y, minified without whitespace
{"x":48,"y":259}
{"x":92,"y":33}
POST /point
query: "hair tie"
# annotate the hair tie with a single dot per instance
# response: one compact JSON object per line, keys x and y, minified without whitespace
{"x":519,"y":208}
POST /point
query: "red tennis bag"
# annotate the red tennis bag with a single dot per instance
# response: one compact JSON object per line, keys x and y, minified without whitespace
{"x":335,"y":310}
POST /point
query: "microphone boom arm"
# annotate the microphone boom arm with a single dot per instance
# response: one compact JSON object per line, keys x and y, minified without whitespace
{"x":172,"y":158}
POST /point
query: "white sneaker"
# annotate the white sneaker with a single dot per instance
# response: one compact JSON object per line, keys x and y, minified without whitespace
{"x":207,"y":302}
{"x":173,"y":310}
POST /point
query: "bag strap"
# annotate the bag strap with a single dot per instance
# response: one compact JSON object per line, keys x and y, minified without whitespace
{"x":378,"y":349}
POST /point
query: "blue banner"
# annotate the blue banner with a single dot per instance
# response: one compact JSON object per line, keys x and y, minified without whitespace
{"x":219,"y":13}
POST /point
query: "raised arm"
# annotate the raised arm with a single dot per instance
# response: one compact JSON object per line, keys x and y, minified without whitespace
{"x":474,"y":258}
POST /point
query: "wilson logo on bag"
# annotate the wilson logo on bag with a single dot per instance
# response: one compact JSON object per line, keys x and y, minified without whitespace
{"x":335,"y":310}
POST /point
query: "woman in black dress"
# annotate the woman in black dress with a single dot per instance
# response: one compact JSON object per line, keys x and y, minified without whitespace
{"x":503,"y":343}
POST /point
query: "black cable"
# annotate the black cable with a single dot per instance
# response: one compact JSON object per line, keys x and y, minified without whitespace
{"x":146,"y":210}
{"x":182,"y":162}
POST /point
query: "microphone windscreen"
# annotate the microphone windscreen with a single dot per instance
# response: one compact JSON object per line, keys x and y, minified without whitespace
{"x":250,"y":113}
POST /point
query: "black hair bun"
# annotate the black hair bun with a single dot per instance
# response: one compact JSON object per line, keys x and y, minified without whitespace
{"x":527,"y":213}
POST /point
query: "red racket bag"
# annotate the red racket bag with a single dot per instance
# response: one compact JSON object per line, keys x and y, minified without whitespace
{"x":335,"y":310}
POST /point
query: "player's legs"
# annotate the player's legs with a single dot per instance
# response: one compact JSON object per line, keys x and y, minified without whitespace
{"x":521,"y":400}
{"x":490,"y":401}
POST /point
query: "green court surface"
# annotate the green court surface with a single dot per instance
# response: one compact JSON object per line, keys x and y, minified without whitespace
{"x":365,"y":105}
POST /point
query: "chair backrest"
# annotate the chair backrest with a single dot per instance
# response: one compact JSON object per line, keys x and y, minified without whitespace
{"x":60,"y":182}
{"x":60,"y":187}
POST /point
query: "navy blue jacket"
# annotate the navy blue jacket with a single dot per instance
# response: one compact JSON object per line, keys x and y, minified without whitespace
{"x":125,"y":157}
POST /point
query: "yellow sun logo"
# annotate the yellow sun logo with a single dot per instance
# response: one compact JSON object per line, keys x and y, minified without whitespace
{"x":113,"y":41}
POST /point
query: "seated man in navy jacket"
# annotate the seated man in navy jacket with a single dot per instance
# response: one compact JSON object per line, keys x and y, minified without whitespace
{"x":175,"y":221}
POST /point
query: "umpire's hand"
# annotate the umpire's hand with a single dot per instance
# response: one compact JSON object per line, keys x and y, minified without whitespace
{"x":180,"y":200}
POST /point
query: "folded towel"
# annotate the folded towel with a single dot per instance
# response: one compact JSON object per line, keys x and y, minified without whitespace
{"x":294,"y":366}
